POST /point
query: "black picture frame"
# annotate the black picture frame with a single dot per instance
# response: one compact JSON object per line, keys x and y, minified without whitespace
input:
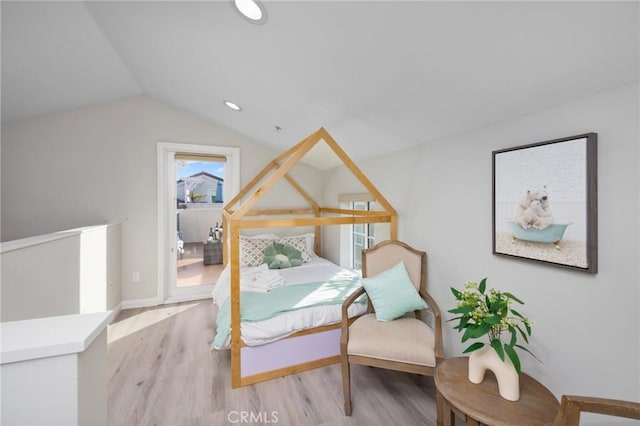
{"x":545,"y":202}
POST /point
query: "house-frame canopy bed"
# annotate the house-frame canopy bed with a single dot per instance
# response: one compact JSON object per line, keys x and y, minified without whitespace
{"x":312,"y":347}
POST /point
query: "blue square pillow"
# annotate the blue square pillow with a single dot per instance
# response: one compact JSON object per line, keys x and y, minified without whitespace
{"x":392,"y":293}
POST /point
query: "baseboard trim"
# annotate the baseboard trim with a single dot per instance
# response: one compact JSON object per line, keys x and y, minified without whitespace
{"x":187,"y":298}
{"x":140,"y":303}
{"x":154,"y":301}
{"x":114,"y":313}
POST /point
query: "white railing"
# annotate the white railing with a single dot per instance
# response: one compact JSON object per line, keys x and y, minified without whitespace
{"x":63,"y":273}
{"x":54,"y":370}
{"x":59,"y":293}
{"x":194,"y":222}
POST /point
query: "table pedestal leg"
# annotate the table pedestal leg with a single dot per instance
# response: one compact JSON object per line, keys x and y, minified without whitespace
{"x":446,"y":416}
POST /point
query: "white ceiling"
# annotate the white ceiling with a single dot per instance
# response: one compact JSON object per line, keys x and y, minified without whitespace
{"x":380,"y":76}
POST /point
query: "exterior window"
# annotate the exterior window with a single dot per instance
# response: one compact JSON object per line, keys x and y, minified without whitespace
{"x":361,"y":234}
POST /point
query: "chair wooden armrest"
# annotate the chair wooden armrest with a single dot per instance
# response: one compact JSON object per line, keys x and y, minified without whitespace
{"x":437,"y":323}
{"x":572,"y":405}
{"x":344,"y":321}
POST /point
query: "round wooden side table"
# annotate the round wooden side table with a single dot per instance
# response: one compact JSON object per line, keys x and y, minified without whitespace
{"x":482,"y":404}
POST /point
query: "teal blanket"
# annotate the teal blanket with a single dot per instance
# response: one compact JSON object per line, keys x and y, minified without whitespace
{"x":261,"y":306}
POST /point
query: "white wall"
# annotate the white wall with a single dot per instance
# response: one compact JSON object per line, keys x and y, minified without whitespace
{"x":587,"y":327}
{"x":105,"y":158}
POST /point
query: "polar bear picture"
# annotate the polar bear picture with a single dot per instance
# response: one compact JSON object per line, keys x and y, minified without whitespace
{"x":534,"y":211}
{"x":541,"y":196}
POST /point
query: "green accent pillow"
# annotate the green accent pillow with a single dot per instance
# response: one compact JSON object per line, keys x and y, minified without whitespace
{"x":281,"y":256}
{"x":392,"y":293}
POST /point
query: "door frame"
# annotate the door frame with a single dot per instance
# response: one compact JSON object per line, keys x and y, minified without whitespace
{"x":166,"y":256}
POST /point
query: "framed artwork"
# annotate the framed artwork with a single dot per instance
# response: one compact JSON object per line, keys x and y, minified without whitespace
{"x":545,"y":202}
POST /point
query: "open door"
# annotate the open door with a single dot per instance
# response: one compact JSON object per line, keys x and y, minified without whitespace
{"x":193,"y":185}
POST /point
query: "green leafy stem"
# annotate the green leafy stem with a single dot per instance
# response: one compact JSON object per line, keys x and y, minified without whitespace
{"x":490,"y":314}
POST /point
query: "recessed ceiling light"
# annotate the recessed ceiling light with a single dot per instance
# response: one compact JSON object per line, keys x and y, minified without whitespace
{"x":232,"y":105}
{"x":251,"y":10}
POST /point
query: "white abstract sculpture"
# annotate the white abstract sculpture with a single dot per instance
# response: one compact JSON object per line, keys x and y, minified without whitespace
{"x":485,"y":359}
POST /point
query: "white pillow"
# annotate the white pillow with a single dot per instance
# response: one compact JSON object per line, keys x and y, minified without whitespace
{"x":252,"y":248}
{"x":304,"y":243}
{"x":311,"y":246}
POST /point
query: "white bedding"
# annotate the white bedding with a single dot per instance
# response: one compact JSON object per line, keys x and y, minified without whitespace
{"x":261,"y":332}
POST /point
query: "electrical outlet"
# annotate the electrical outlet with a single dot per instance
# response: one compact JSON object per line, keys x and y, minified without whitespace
{"x":136,"y":277}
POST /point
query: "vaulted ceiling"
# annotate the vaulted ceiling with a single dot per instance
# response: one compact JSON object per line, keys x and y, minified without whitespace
{"x":380,"y":76}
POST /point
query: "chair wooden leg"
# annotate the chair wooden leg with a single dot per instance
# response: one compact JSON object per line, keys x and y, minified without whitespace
{"x":346,"y":385}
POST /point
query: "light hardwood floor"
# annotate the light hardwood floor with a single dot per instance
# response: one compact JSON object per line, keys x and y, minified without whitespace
{"x":161,"y":372}
{"x":191,"y":269}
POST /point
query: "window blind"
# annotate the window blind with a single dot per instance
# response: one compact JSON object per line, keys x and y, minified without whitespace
{"x":201,"y":157}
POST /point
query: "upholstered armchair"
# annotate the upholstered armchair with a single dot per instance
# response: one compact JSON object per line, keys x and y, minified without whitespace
{"x":392,"y":336}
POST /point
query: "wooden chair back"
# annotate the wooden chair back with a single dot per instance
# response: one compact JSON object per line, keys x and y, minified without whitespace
{"x":386,"y":254}
{"x":572,"y":405}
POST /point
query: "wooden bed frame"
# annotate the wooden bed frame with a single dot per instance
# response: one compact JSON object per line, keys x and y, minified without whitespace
{"x":311,"y":348}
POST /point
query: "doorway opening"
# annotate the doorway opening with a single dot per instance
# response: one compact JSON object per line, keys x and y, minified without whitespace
{"x":194,"y":181}
{"x":199,"y":201}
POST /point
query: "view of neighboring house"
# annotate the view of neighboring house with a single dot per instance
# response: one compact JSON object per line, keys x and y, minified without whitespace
{"x":201,"y":187}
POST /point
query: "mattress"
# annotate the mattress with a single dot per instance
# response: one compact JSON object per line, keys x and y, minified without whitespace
{"x":285,"y":324}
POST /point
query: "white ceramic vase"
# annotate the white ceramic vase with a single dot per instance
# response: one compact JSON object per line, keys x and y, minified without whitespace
{"x":485,"y":359}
